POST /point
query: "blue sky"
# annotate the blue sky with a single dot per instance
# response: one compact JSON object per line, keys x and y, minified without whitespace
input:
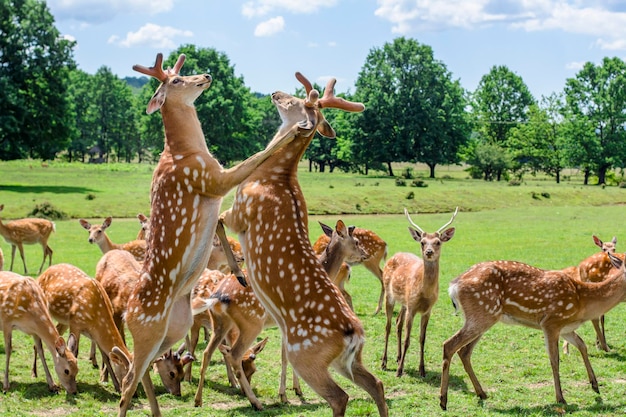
{"x":267,"y":41}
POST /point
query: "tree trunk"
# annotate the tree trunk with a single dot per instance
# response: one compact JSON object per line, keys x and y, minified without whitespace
{"x":587,"y":174}
{"x":390,"y":169}
{"x":602,"y":175}
{"x":558,"y":176}
{"x":432,"y":170}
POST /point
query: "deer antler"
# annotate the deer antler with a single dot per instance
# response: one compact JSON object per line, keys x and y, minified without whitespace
{"x":419,"y":229}
{"x":329,"y":100}
{"x":157,"y":72}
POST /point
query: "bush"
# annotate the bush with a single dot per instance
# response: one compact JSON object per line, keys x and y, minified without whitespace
{"x":410,"y":195}
{"x":515,"y":183}
{"x":419,"y":183}
{"x":46,"y":210}
{"x":407,"y":173}
{"x":400,"y":182}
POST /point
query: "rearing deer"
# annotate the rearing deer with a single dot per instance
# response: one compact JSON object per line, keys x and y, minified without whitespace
{"x":516,"y":293}
{"x":188,"y":186}
{"x":270,"y":216}
{"x":414,"y":283}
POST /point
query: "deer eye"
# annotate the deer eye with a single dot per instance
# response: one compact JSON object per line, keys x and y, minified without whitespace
{"x":67,"y":372}
{"x":172,"y":375}
{"x":177,"y":81}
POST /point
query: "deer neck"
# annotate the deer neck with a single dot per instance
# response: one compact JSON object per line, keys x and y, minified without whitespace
{"x":282,"y":166}
{"x":431,"y":273}
{"x":602,"y":296}
{"x":332,"y":259}
{"x":183,"y":132}
{"x":106,"y":244}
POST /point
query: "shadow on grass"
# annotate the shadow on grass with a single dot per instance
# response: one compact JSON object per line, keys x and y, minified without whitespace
{"x":555,"y":409}
{"x":38,"y":189}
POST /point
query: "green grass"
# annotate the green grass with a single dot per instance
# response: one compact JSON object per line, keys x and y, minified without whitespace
{"x":497,"y":221}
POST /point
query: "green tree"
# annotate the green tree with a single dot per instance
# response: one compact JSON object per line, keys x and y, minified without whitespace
{"x":34,"y":68}
{"x":414,"y":111}
{"x":83,"y":110}
{"x":596,"y":101}
{"x":538,"y":144}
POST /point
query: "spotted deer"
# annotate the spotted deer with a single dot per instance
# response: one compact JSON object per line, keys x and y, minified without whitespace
{"x":23,"y":306}
{"x":347,"y":247}
{"x":517,"y":293}
{"x":269,"y":215}
{"x":374,"y":246}
{"x":29,"y":231}
{"x":144,"y":227}
{"x":78,"y":302}
{"x":98,"y":235}
{"x":188,"y":186}
{"x":414,"y":283}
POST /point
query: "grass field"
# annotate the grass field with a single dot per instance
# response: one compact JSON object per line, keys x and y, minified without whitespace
{"x":538,"y":222}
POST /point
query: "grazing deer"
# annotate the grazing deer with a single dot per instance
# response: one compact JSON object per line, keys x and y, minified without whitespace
{"x":79,"y":302}
{"x":374,"y":246}
{"x":414,"y":283}
{"x":144,"y":230}
{"x":98,"y":235}
{"x":188,"y":186}
{"x":28,"y":231}
{"x":118,"y":272}
{"x":270,"y":216}
{"x":516,"y":293}
{"x":23,"y":306}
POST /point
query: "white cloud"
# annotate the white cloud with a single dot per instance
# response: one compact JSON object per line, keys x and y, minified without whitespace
{"x":152,"y":35}
{"x":270,"y":27}
{"x":576,"y":65}
{"x":599,"y":18}
{"x":99,"y":11}
{"x":256,"y":8}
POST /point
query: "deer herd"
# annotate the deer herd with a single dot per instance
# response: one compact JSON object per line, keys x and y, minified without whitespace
{"x":183,"y":274}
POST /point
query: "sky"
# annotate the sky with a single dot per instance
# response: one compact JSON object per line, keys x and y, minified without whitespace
{"x":545,"y":42}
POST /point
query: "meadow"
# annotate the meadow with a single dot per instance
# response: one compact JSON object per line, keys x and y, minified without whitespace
{"x":538,"y":222}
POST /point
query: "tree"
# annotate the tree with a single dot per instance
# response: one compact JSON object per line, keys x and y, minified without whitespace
{"x":83,"y":110}
{"x":596,"y":103}
{"x":34,"y":68}
{"x":538,"y":144}
{"x":414,"y":111}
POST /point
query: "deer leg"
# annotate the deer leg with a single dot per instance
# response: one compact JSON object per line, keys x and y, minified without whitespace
{"x":13,"y":247}
{"x":378,"y":273}
{"x":47,"y":252}
{"x":408,"y":316}
{"x":232,"y":263}
{"x":423,"y":325}
{"x":20,"y":247}
{"x":451,"y":346}
{"x":366,"y":380}
{"x":575,"y":340}
{"x":552,"y":346}
{"x":92,"y":355}
{"x":316,"y":375}
{"x":39,"y":348}
{"x":465,"y":353}
{"x":598,"y":325}
{"x":400,"y":319}
{"x":283,"y":377}
{"x":233,"y":358}
{"x":8,"y":347}
{"x":33,"y":370}
{"x":388,"y":314}
{"x":216,"y":338}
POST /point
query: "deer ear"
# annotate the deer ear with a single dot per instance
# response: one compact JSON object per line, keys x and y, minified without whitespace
{"x":157,"y":100}
{"x":85,"y":224}
{"x":448,"y":234}
{"x":72,"y":343}
{"x":341,"y":228}
{"x":325,"y":129}
{"x":617,"y":262}
{"x":415,"y":234}
{"x":328,"y":231}
{"x":597,"y":241}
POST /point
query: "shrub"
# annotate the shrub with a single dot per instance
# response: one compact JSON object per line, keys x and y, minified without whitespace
{"x":419,"y":183}
{"x":46,"y":210}
{"x":515,"y":183}
{"x":400,"y":182}
{"x":410,"y":195}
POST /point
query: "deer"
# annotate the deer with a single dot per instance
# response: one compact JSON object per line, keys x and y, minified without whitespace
{"x":374,"y":245}
{"x":517,"y":293}
{"x":144,"y":230}
{"x":23,"y":306}
{"x":414,"y":283}
{"x":28,"y":231}
{"x":269,"y":214}
{"x":98,"y":235}
{"x":78,"y":302}
{"x":118,"y":272}
{"x":188,"y":186}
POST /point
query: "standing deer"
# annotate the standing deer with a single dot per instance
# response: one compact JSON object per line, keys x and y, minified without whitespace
{"x":28,"y":231}
{"x":79,"y":303}
{"x":23,"y":306}
{"x":98,"y":235}
{"x":374,"y":246}
{"x":188,"y":186}
{"x":516,"y":293}
{"x":232,"y":307}
{"x":270,"y":216}
{"x":414,"y":283}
